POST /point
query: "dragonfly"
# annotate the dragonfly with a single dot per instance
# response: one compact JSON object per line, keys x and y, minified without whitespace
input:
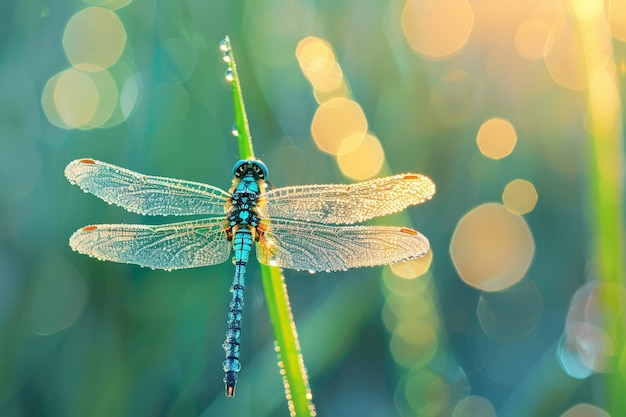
{"x":304,"y":227}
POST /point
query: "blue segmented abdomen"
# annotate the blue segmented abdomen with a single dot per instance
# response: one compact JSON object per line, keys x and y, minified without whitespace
{"x":242,"y":245}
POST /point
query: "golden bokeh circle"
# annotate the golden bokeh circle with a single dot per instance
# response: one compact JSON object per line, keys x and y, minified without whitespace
{"x":364,"y":161}
{"x":76,"y":98}
{"x":496,"y":138}
{"x":491,"y":248}
{"x":519,"y":196}
{"x":335,"y":121}
{"x":437,"y":28}
{"x":94,"y":39}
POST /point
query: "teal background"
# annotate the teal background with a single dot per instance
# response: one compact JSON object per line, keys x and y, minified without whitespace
{"x":119,"y":340}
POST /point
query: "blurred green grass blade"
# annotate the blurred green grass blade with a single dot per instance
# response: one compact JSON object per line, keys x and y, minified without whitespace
{"x":606,"y":183}
{"x":295,"y":379}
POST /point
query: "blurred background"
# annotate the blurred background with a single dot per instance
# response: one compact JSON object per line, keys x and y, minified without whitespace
{"x":512,"y":107}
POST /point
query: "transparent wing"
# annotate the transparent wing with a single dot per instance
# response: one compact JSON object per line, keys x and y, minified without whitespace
{"x":169,"y":246}
{"x":306,"y":246}
{"x":348,"y":203}
{"x":145,"y":194}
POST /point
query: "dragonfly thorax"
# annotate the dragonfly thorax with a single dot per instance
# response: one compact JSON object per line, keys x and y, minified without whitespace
{"x":243,"y":210}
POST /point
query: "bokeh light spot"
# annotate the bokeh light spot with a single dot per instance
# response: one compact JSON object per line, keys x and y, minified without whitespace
{"x":531,"y":38}
{"x":48,"y":102}
{"x":586,"y":345}
{"x":414,"y":268}
{"x":76,"y":97}
{"x":427,"y":393}
{"x":335,"y":121}
{"x":519,"y":196}
{"x":585,"y":410}
{"x":413,"y":342}
{"x":317,"y":62}
{"x":512,"y":314}
{"x":496,"y":138}
{"x":94,"y":39}
{"x":474,"y":406}
{"x":565,"y":56}
{"x":364,"y":161}
{"x":491,"y":248}
{"x":437,"y":28}
{"x":79,"y":99}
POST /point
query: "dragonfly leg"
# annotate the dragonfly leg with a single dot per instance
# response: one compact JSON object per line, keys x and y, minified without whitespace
{"x":242,"y":244}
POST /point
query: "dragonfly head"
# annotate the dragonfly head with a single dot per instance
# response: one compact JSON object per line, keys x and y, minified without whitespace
{"x":254,"y":166}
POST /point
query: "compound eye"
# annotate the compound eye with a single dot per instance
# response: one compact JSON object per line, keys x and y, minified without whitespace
{"x":238,"y":168}
{"x":260,"y":169}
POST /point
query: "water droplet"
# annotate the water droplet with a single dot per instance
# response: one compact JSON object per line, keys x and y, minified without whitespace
{"x":224,"y":44}
{"x":226,"y":56}
{"x":229,"y":75}
{"x":235,"y":131}
{"x":311,"y":271}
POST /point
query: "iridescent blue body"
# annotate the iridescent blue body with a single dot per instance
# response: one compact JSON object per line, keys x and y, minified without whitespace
{"x":303,"y":227}
{"x":243,"y":219}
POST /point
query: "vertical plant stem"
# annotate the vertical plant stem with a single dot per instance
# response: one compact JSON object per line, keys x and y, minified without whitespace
{"x":290,"y":360}
{"x":244,"y":138}
{"x":605,"y":181}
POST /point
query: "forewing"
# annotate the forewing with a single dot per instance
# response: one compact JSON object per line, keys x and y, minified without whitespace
{"x":348,"y":203}
{"x":170,"y":246}
{"x":145,"y":194}
{"x":307,"y":246}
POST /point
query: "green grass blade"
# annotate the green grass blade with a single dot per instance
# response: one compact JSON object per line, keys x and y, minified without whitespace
{"x":606,"y":184}
{"x":295,"y":379}
{"x":244,"y":138}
